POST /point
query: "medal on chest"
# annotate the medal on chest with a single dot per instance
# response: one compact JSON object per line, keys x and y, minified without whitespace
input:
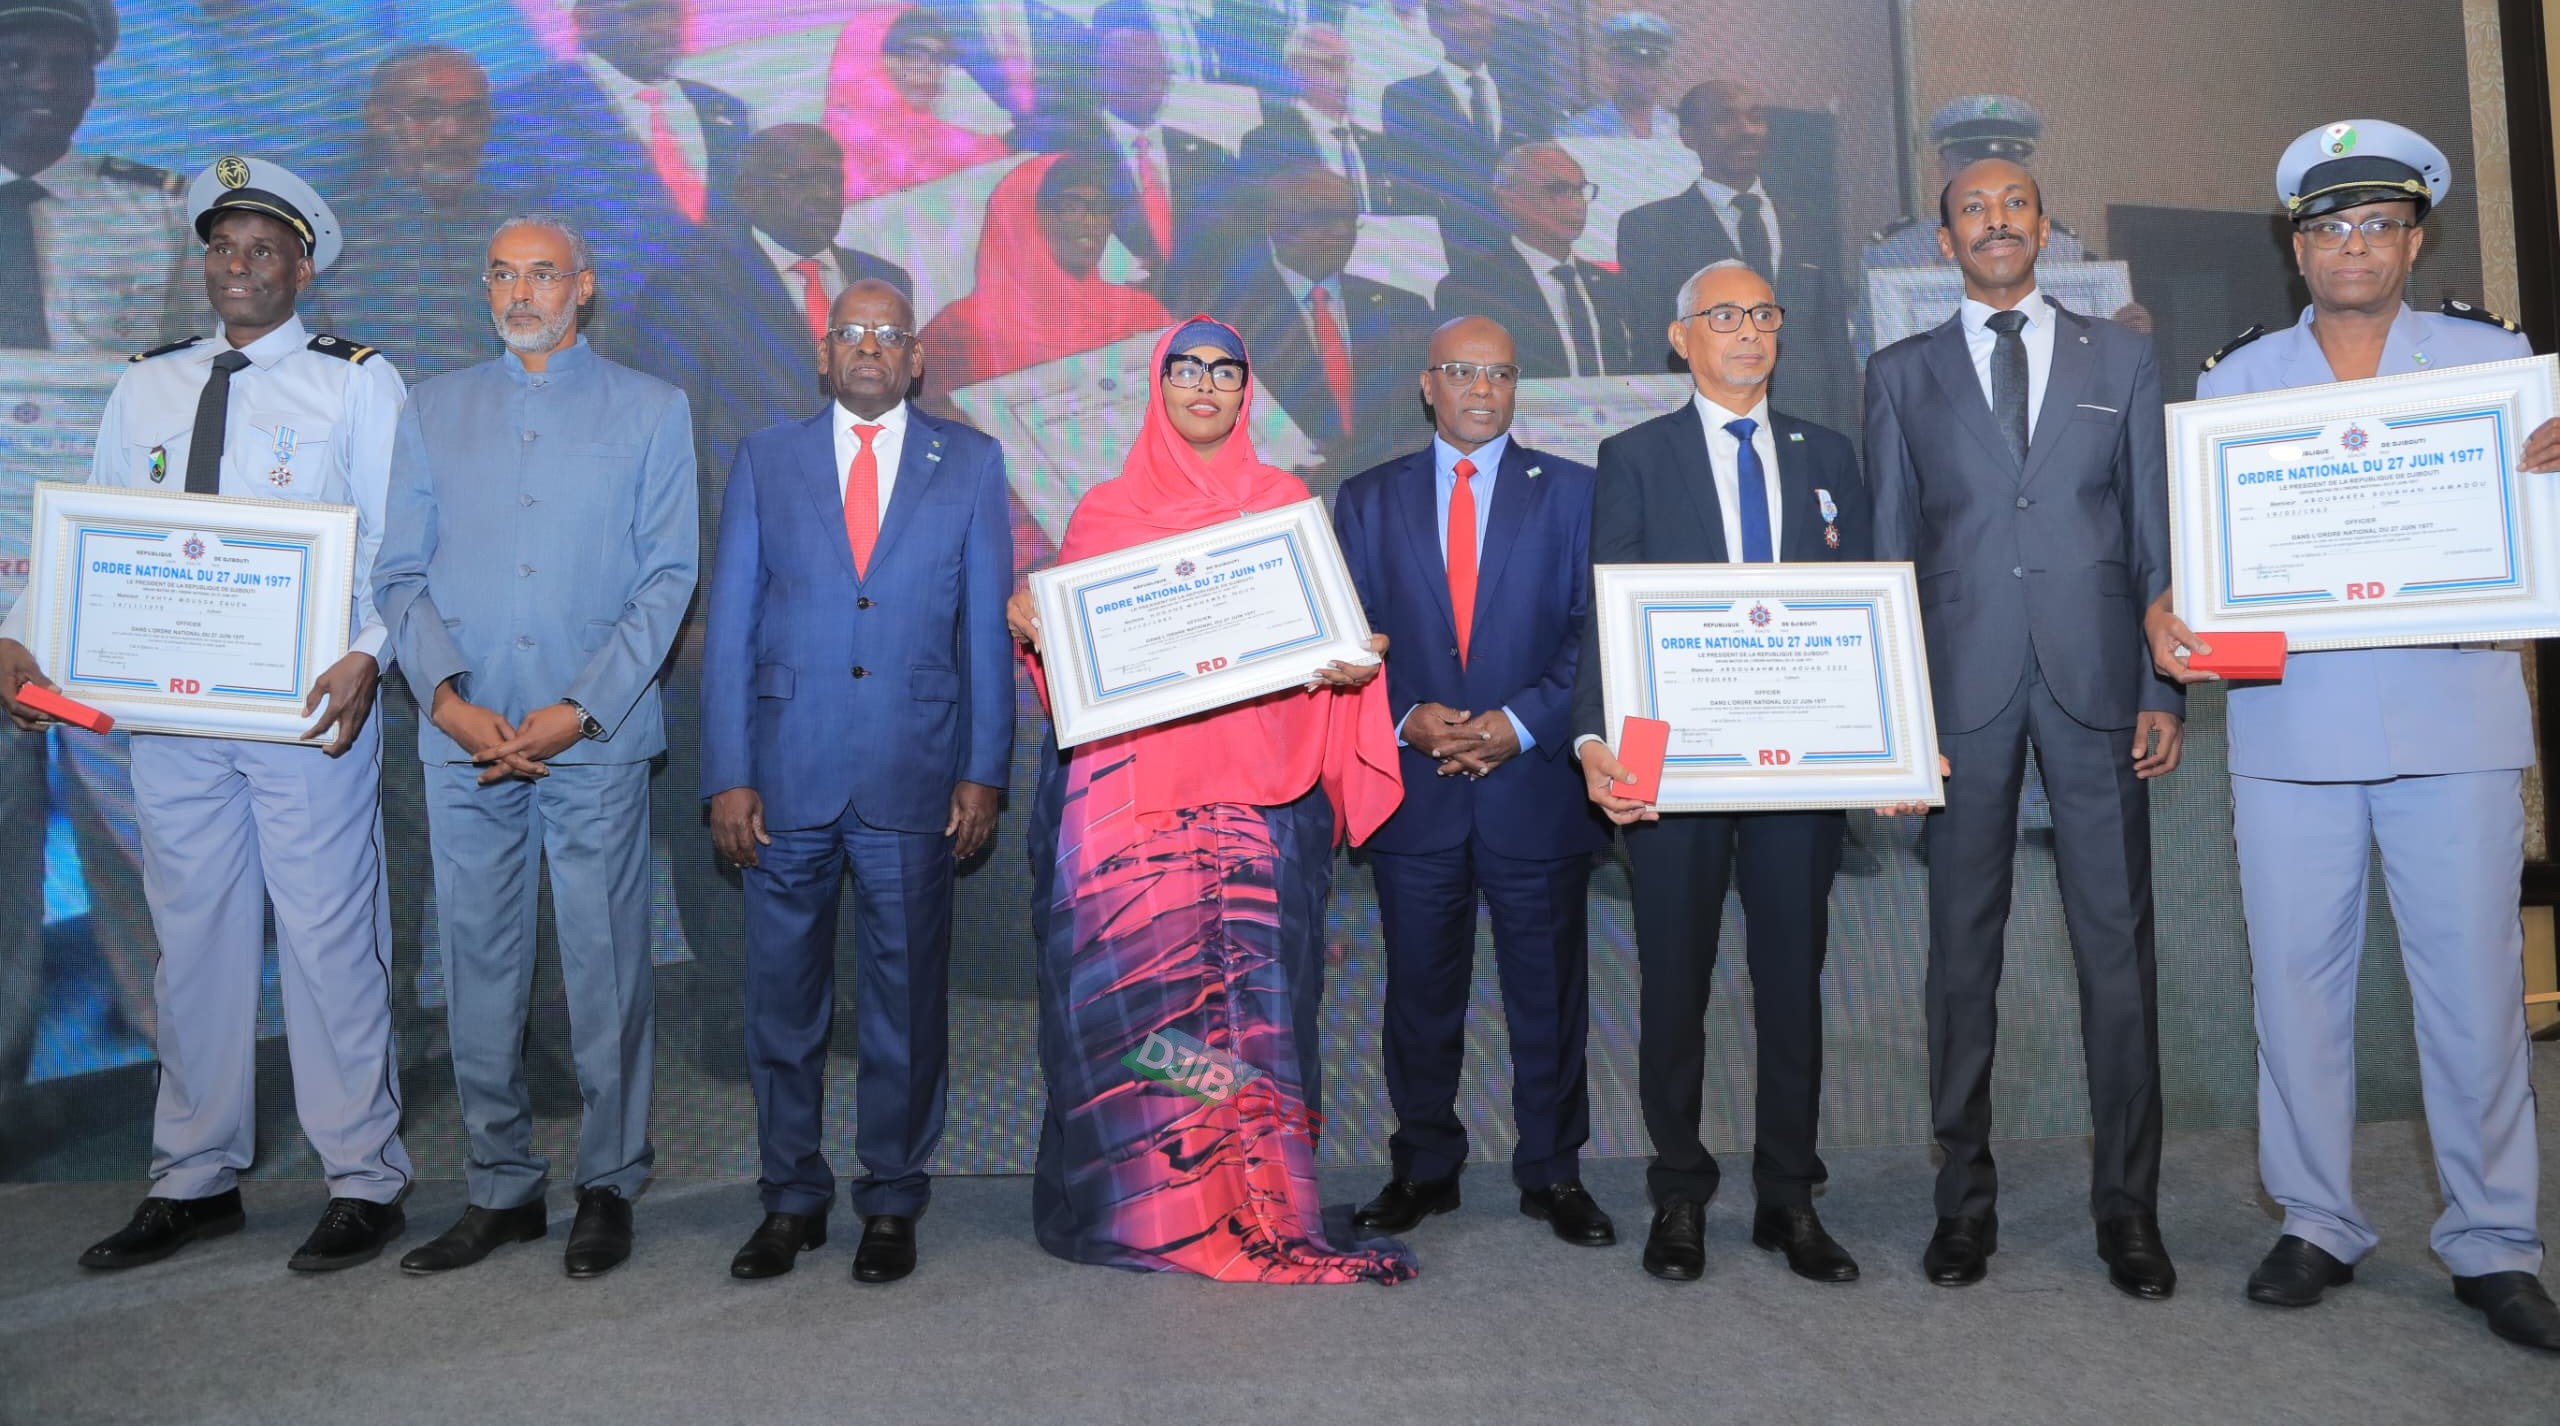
{"x":282,"y":475}
{"x":1830,"y":518}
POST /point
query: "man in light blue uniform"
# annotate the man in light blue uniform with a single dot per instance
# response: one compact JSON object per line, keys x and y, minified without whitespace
{"x":2420,"y":750}
{"x":265,"y":411}
{"x":541,"y":547}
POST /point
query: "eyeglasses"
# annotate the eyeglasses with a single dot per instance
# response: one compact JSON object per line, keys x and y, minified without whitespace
{"x":425,"y":113}
{"x":543,"y":278}
{"x":1464,"y":373}
{"x":1725,"y":317}
{"x":2330,"y":234}
{"x":932,"y":54}
{"x":1224,"y":374}
{"x":1560,"y":189}
{"x":891,"y":337}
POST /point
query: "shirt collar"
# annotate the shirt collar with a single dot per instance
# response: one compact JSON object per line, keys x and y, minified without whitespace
{"x":1299,"y":284}
{"x":2033,"y":305}
{"x":1540,"y":263}
{"x":1320,"y":123}
{"x":1716,"y":416}
{"x":1488,"y":457}
{"x":564,"y":362}
{"x":620,"y":87}
{"x":274,"y":347}
{"x":894,"y":420}
{"x":1126,"y":134}
{"x":1458,"y":78}
{"x":783,"y":257}
{"x":1721,"y":195}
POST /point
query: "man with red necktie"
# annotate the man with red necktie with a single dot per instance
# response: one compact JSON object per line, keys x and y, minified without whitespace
{"x":1471,"y":556}
{"x":857,"y":715}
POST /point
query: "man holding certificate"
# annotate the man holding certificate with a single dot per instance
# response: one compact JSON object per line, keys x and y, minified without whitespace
{"x":2420,"y":750}
{"x":2017,"y":456}
{"x":1721,"y":480}
{"x":265,"y":411}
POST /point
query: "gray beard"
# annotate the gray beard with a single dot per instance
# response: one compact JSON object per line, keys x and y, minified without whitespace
{"x":541,"y":339}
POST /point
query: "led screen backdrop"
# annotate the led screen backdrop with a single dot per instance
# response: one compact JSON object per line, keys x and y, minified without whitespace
{"x":989,"y":152}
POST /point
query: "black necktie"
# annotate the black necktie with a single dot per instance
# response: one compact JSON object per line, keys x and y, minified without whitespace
{"x":1753,"y":235}
{"x":213,"y":413}
{"x":21,"y":285}
{"x":2009,"y":380}
{"x":1352,"y":168}
{"x":1577,"y":316}
{"x":1480,"y":106}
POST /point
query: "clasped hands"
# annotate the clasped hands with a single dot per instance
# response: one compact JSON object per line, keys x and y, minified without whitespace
{"x":502,"y":749}
{"x":1464,"y":744}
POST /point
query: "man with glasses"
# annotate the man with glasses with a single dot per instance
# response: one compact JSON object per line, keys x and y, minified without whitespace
{"x":1313,"y":125}
{"x":2017,"y":456}
{"x":540,"y":551}
{"x":1471,"y":557}
{"x":1725,"y":479}
{"x":2420,"y":751}
{"x":857,"y":715}
{"x":1563,"y":311}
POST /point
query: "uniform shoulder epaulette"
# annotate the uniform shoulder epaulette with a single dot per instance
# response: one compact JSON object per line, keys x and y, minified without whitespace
{"x":1889,"y":229}
{"x":2233,"y":345}
{"x":142,"y":175}
{"x":181,"y":344}
{"x":2469,"y":313}
{"x":340,"y":347}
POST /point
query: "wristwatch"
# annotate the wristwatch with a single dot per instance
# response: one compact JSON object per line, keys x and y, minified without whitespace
{"x":588,"y":727}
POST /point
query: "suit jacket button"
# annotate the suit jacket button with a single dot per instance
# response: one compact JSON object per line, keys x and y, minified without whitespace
{"x":2023,"y":502}
{"x":2017,"y":572}
{"x":863,"y":603}
{"x":860,"y":672}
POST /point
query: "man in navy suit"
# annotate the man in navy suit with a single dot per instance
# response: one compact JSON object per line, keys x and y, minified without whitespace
{"x":1562,"y":311}
{"x":638,"y":156}
{"x":1447,"y":127}
{"x":1471,"y":556}
{"x":857,"y":714}
{"x":1725,"y":480}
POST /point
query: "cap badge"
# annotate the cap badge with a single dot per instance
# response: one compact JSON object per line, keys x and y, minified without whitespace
{"x":2339,"y":139}
{"x":231,"y":171}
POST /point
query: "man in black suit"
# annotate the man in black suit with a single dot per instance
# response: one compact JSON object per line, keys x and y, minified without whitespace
{"x":640,"y":159}
{"x":1725,"y":480}
{"x":1335,"y":351}
{"x":1784,"y":235}
{"x":1166,"y":197}
{"x":2019,"y":462}
{"x":1447,"y":128}
{"x":738,"y":331}
{"x":1563,"y":312}
{"x":1313,"y":124}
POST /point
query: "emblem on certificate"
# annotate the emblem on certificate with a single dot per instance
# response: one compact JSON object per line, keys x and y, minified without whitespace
{"x":1783,"y":686}
{"x":1197,"y":621}
{"x":178,"y":613}
{"x":2371,"y":513}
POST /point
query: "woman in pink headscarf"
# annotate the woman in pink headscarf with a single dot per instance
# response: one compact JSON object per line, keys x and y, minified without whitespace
{"x":888,"y":71}
{"x":1182,"y":873}
{"x":1040,"y":295}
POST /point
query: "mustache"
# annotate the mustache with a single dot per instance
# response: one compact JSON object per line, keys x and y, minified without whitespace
{"x":1998,"y":235}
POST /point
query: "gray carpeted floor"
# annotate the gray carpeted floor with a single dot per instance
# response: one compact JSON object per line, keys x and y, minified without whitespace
{"x":1505,"y":1324}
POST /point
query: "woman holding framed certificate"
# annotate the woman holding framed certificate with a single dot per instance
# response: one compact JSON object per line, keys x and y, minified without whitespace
{"x":1184,"y":869}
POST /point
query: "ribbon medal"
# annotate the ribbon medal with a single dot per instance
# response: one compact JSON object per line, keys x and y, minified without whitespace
{"x":1830,"y":518}
{"x":286,"y":439}
{"x":159,"y":464}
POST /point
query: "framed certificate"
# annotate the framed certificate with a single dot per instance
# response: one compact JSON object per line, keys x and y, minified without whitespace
{"x":195,"y":614}
{"x":1904,"y":300}
{"x":1787,"y":686}
{"x":2365,"y":514}
{"x":1196,"y":621}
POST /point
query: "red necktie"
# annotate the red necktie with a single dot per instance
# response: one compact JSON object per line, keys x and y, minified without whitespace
{"x":1333,"y":355}
{"x":1156,"y":203}
{"x":862,"y":501}
{"x":1462,"y":552}
{"x":667,"y":157}
{"x":813,"y":295}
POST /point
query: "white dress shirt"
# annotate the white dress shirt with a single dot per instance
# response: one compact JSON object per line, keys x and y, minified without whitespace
{"x":1560,"y":311}
{"x":1724,"y":456}
{"x":1457,"y":79}
{"x":830,"y":276}
{"x":1124,"y":139}
{"x":1338,"y":153}
{"x":1720,"y":202}
{"x":625,"y":91}
{"x":1980,"y":341}
{"x":886,"y":446}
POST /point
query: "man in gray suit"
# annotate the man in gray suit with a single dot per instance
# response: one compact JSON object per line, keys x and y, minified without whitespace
{"x":539,"y":550}
{"x":2016,"y":456}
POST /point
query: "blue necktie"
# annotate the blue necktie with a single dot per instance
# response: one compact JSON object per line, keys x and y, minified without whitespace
{"x":1755,"y":494}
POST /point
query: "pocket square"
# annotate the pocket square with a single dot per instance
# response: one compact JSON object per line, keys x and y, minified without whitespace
{"x":2110,"y":410}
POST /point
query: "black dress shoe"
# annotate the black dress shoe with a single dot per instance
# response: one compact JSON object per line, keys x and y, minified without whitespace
{"x":351,"y":1231}
{"x":162,"y":1226}
{"x":2295,"y":1272}
{"x":2517,"y":1307}
{"x":1569,"y":1210}
{"x":600,"y":1239}
{"x":888,"y":1249}
{"x":475,"y":1235}
{"x":1401,"y":1206}
{"x":1676,"y":1249}
{"x":2137,"y":1261}
{"x":1794,"y":1228}
{"x":777,"y":1243}
{"x":1959,"y":1253}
